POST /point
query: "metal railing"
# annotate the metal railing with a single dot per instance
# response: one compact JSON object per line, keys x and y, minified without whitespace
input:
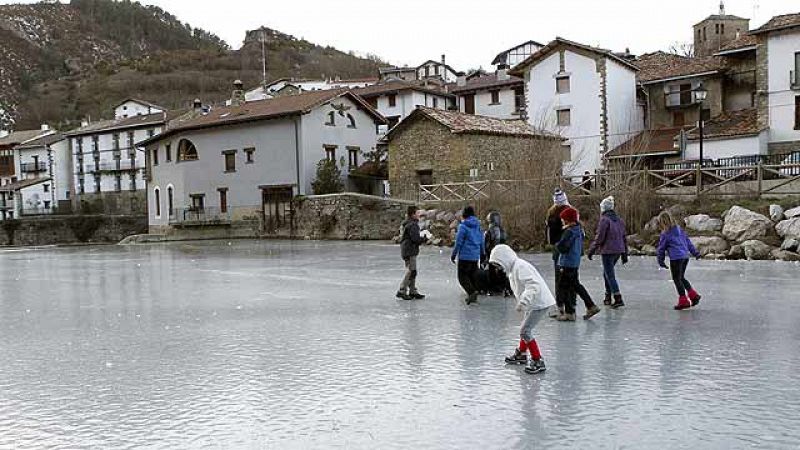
{"x":121,"y":165}
{"x":40,"y":166}
{"x":198,"y":216}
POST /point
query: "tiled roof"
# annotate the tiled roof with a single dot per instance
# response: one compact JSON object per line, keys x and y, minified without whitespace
{"x":729,"y":124}
{"x":42,"y":141}
{"x":119,"y":124}
{"x":662,"y":66}
{"x":558,"y":42}
{"x":21,"y":137}
{"x":142,"y":102}
{"x":742,"y":42}
{"x":17,"y":185}
{"x":398,"y":86}
{"x":779,"y":23}
{"x":462,"y":123}
{"x":484,"y":82}
{"x":721,"y":17}
{"x":648,"y":143}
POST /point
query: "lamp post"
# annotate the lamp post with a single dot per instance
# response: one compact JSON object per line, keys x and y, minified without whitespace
{"x":700,"y":94}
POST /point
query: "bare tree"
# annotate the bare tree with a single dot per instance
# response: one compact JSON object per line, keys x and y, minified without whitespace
{"x":682,"y":49}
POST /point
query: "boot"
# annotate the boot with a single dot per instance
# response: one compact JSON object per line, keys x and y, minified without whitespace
{"x":403,"y":296}
{"x":694,"y":297}
{"x":535,"y":366}
{"x":417,"y":296}
{"x":591,"y":312}
{"x":607,"y":300}
{"x":683,"y":303}
{"x":555,"y":313}
{"x":566,"y":317}
{"x":472,"y":298}
{"x":519,"y":357}
{"x":617,"y":301}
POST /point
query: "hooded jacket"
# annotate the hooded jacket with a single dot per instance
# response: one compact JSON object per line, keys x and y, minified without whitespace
{"x":410,"y":240}
{"x":495,"y":234}
{"x":469,"y":240}
{"x":610,"y":237}
{"x":528,"y":285}
{"x":570,"y":247}
{"x":675,"y":243}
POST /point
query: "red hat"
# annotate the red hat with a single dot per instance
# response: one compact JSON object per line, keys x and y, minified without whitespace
{"x":569,"y":214}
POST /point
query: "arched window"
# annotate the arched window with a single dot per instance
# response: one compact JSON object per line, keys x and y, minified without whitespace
{"x":351,"y":121}
{"x":157,"y":200}
{"x":170,"y":202}
{"x":186,"y":151}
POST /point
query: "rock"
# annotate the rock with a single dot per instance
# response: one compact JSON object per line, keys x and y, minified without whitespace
{"x":776,"y":213}
{"x":756,"y":250}
{"x":790,"y":244}
{"x":431,"y":214}
{"x":703,"y":223}
{"x":708,"y":245}
{"x":437,"y":242}
{"x":743,"y":225}
{"x":635,"y":252}
{"x":649,"y":250}
{"x":792,"y":213}
{"x":678,"y":213}
{"x":454,"y":224}
{"x":789,"y":229}
{"x":635,"y":241}
{"x":783,"y":255}
{"x":716,"y":256}
{"x":736,"y":252}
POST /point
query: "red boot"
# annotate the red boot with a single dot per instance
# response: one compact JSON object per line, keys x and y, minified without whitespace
{"x":694,"y":297}
{"x":683,"y":303}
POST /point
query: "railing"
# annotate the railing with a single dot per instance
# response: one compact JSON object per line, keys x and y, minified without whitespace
{"x":114,"y":166}
{"x":28,"y":211}
{"x":198,"y":216}
{"x":40,"y":166}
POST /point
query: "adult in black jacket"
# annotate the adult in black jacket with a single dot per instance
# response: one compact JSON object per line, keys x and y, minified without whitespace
{"x":410,"y":240}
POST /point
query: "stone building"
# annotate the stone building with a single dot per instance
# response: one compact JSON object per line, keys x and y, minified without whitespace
{"x":715,"y":31}
{"x":433,"y":146}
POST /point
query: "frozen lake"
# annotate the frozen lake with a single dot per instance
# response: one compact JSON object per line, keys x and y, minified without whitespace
{"x":303,"y":345}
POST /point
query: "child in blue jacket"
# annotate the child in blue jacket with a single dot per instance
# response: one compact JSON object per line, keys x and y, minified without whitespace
{"x":469,"y":250}
{"x":570,"y":249}
{"x":675,"y":243}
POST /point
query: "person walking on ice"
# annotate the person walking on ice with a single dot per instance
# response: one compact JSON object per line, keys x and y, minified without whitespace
{"x":676,"y":244}
{"x":570,"y":249}
{"x":469,"y":251}
{"x":533,"y":299}
{"x":410,"y":240}
{"x":609,"y":242}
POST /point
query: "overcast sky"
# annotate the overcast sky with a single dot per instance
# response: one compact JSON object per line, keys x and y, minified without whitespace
{"x":469,"y":32}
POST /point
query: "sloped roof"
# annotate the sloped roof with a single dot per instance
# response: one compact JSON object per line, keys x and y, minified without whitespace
{"x":502,"y":56}
{"x":729,"y":124}
{"x":742,"y":43}
{"x":721,"y":17}
{"x":659,"y":66}
{"x":483,"y":82}
{"x":648,"y":143}
{"x":21,"y":137}
{"x":120,"y":124}
{"x":391,"y":87}
{"x":779,"y":23}
{"x":17,"y":185}
{"x":543,"y":52}
{"x":273,"y":108}
{"x":462,"y":123}
{"x":142,"y":102}
{"x":43,"y":141}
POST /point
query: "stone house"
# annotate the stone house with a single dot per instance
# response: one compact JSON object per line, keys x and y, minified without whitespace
{"x":433,"y":146}
{"x":714,"y":32}
{"x":497,"y":95}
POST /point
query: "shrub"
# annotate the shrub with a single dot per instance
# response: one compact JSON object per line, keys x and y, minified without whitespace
{"x":84,"y":227}
{"x":329,"y":178}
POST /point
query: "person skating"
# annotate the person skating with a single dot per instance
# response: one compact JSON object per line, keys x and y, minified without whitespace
{"x":495,"y":235}
{"x":570,"y":249}
{"x":610,"y":244}
{"x":676,"y":244}
{"x":533,"y":299}
{"x":410,"y":240}
{"x":469,"y":250}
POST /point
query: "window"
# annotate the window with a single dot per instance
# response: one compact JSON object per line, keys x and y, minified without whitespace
{"x":330,"y":152}
{"x":353,"y":153}
{"x":678,"y":119}
{"x":435,"y":102}
{"x":46,"y":187}
{"x":351,"y":121}
{"x":155,"y":156}
{"x":248,"y":153}
{"x":393,"y":120}
{"x":130,"y":139}
{"x":331,"y":119}
{"x":562,"y":85}
{"x":566,"y":152}
{"x":519,"y":99}
{"x":495,"y":97}
{"x":563,"y":117}
{"x":96,"y":146}
{"x":170,"y":202}
{"x":133,"y":181}
{"x":168,"y":152}
{"x":81,"y":186}
{"x":797,"y":113}
{"x":186,"y":151}
{"x":436,"y":70}
{"x":97,"y":183}
{"x":795,"y":78}
{"x":716,"y":28}
{"x":47,"y":204}
{"x":198,"y":202}
{"x":392,"y":100}
{"x":118,"y":182}
{"x":705,"y":36}
{"x":230,"y":160}
{"x":722,"y":28}
{"x":157,"y":200}
{"x":223,"y":200}
{"x":151,"y":132}
{"x":686,"y":94}
{"x":425,"y":177}
{"x":116,"y":141}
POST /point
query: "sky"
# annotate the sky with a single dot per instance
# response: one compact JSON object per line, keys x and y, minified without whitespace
{"x":469,"y":32}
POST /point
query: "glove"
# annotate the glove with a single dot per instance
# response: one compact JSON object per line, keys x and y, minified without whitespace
{"x":624,"y":259}
{"x":453,"y":259}
{"x":663,"y":266}
{"x":698,"y":257}
{"x":590,"y":256}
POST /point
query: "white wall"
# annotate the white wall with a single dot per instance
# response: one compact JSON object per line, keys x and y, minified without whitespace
{"x":132,"y":109}
{"x":624,"y":117}
{"x":520,"y":53}
{"x":484,"y":107}
{"x":726,"y":148}
{"x":781,"y":50}
{"x":58,"y":168}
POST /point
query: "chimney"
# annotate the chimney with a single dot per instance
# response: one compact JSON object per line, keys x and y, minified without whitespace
{"x":502,"y":74}
{"x":45,"y":127}
{"x":722,"y":7}
{"x":461,"y":80}
{"x":443,"y":60}
{"x":237,"y":97}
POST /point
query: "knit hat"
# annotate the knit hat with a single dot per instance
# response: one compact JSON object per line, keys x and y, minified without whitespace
{"x":560,"y":197}
{"x":569,"y":215}
{"x":469,"y":211}
{"x":607,"y":204}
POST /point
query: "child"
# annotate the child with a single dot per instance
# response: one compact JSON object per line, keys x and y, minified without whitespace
{"x":495,"y":235}
{"x":410,"y":240}
{"x":533,"y":298}
{"x":675,"y":243}
{"x":610,"y":243}
{"x":469,"y":250}
{"x":570,"y":249}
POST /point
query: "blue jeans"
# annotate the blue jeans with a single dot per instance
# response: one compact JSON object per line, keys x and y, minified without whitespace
{"x":609,"y":275}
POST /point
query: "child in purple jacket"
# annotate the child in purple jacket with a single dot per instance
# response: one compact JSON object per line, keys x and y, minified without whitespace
{"x":675,"y":243}
{"x":610,"y":244}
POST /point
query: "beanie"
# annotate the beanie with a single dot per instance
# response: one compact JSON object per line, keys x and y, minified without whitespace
{"x":560,"y":197}
{"x":569,"y":214}
{"x":469,"y":211}
{"x":607,"y":204}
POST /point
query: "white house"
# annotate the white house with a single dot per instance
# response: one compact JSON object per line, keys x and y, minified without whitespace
{"x":395,"y":100}
{"x":497,"y":95}
{"x":437,"y":70}
{"x":288,"y":86}
{"x":45,"y":169}
{"x":515,"y":55}
{"x":585,"y":94}
{"x":249,"y":160}
{"x":9,"y":174}
{"x":135,"y":107}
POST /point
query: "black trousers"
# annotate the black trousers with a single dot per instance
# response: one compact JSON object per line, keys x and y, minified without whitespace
{"x":580,"y":291}
{"x":677,"y":268}
{"x":569,"y":288}
{"x":467,"y":270}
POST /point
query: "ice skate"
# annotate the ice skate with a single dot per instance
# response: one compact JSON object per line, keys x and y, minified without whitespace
{"x":536,"y":366}
{"x":566,"y":317}
{"x":519,"y":357}
{"x":591,"y":312}
{"x":683,"y":303}
{"x":618,"y":303}
{"x":403,"y":296}
{"x":417,"y":296}
{"x":694,"y":297}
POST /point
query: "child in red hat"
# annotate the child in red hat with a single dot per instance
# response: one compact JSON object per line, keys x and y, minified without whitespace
{"x":570,"y":249}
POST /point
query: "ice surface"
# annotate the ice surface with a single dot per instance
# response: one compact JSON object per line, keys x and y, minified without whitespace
{"x":303,"y":345}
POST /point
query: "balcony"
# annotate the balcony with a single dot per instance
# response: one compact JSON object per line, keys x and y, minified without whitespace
{"x":123,"y":165}
{"x":34,"y":167}
{"x":197,"y":217}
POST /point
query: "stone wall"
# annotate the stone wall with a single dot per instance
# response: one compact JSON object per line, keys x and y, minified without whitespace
{"x":348,"y":216}
{"x":117,"y":203}
{"x":70,"y":230}
{"x":784,"y":147}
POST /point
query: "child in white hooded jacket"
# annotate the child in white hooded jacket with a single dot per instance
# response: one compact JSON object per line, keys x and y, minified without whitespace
{"x":533,"y":298}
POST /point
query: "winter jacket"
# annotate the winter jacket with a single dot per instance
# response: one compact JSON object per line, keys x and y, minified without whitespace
{"x":469,"y":241}
{"x":495,"y":235}
{"x":528,"y":285}
{"x":410,"y":240}
{"x":554,"y":226}
{"x":570,"y":247}
{"x":675,"y":243}
{"x":610,"y":237}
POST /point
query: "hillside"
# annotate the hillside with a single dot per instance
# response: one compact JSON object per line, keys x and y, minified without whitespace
{"x":63,"y":62}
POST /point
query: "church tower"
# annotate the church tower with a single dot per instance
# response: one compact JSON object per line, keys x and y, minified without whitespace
{"x":716,"y":30}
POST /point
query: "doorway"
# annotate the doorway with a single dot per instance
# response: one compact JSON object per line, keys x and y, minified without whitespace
{"x":276,"y":207}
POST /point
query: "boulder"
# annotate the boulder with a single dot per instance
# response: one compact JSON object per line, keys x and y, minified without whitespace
{"x":649,"y":250}
{"x":454,"y":224}
{"x":743,"y":225}
{"x":708,"y":245}
{"x":703,"y":223}
{"x":736,"y":252}
{"x":783,"y":255}
{"x":791,"y":244}
{"x":789,"y":228}
{"x":792,"y":213}
{"x":776,"y":213}
{"x":716,"y":256}
{"x":652,"y":226}
{"x":635,"y":241}
{"x":756,"y":250}
{"x":678,"y":213}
